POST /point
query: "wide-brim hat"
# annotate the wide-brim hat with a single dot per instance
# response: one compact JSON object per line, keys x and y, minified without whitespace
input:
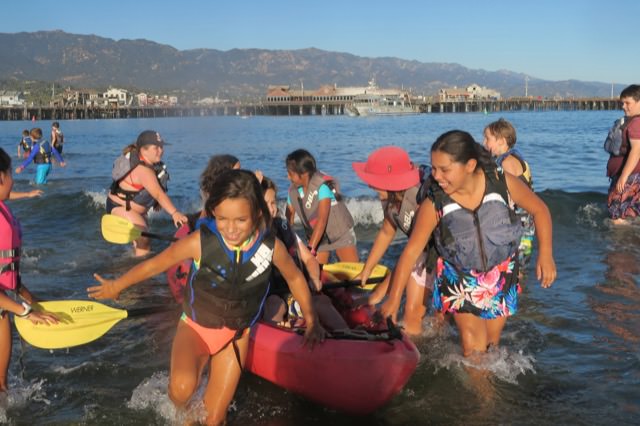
{"x":388,"y":168}
{"x":149,"y":137}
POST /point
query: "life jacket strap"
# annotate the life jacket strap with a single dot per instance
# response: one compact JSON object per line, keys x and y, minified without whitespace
{"x":12,"y":266}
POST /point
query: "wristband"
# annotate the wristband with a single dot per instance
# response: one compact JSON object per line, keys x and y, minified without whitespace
{"x":27,"y":310}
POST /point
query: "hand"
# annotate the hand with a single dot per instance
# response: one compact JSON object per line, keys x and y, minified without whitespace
{"x":363,"y":276}
{"x":35,"y":193}
{"x":317,"y":284}
{"x":19,"y":170}
{"x":546,"y":271}
{"x":63,"y":164}
{"x":106,"y":289}
{"x":390,"y":307}
{"x":179,"y":219}
{"x":259,"y":175}
{"x":620,"y":184}
{"x":313,"y":334}
{"x":42,"y":317}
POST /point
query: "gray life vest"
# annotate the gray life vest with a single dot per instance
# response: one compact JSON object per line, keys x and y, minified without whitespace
{"x":403,"y":217}
{"x":340,"y":220}
{"x":482,"y":238}
{"x":122,"y":167}
{"x":226,"y":291}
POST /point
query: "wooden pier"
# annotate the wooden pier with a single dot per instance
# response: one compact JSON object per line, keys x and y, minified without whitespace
{"x":298,"y":108}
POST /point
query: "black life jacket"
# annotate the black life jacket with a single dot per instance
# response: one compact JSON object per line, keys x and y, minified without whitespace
{"x":25,"y":143}
{"x":288,"y":237}
{"x":225,"y":292}
{"x":482,"y":238}
{"x":340,"y":220}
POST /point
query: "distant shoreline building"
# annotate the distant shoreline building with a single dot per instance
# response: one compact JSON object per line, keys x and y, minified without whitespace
{"x":471,"y":92}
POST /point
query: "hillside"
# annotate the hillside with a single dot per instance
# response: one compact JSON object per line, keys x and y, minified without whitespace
{"x":89,"y":61}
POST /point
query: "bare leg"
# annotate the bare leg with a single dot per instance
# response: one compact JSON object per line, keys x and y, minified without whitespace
{"x":473,"y":333}
{"x":414,"y":308}
{"x":5,"y":350}
{"x":142,"y":246}
{"x":189,"y":356}
{"x":348,"y":254}
{"x":494,"y":330}
{"x":224,"y":376}
{"x":274,"y":309}
{"x":323,"y":257}
{"x":327,"y":313}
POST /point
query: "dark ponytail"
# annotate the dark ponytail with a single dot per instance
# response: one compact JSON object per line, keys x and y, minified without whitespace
{"x":461,"y":146}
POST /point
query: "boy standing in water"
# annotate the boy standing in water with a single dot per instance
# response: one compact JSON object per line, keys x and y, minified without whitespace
{"x":41,"y":152}
{"x":57,"y":137}
{"x":24,"y":146}
{"x":500,"y":141}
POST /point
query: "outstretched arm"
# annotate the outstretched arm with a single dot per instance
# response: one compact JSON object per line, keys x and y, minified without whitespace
{"x":185,"y":248}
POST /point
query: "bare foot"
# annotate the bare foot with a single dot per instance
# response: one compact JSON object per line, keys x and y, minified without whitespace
{"x":619,"y":221}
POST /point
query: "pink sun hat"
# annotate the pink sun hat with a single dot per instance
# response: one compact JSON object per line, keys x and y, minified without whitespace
{"x":388,"y":168}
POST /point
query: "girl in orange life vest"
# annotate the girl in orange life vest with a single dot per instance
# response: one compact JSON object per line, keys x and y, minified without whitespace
{"x":233,"y":254}
{"x":390,"y":172}
{"x":134,"y":194}
{"x":468,"y":210}
{"x":326,"y":219}
{"x":10,"y":242}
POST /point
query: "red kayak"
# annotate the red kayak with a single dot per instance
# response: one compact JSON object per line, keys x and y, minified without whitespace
{"x":355,"y":376}
{"x":356,"y":372}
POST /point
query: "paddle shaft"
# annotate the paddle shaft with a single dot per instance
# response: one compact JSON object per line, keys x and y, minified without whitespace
{"x":158,"y":236}
{"x":138,"y":312}
{"x":352,"y":283}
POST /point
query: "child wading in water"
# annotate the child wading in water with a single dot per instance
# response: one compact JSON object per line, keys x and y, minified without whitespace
{"x":500,"y":140}
{"x":469,"y":211}
{"x":326,"y":219}
{"x":41,"y":151}
{"x":390,"y":172}
{"x":233,"y":254}
{"x":10,"y":279}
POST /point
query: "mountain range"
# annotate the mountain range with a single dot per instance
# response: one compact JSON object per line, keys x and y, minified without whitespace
{"x":90,"y":61}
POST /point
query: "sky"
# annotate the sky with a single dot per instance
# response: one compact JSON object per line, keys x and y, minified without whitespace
{"x":589,"y":40}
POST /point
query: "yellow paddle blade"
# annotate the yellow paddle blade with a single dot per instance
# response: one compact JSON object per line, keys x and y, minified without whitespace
{"x":81,"y":321}
{"x":118,"y":230}
{"x":344,"y":271}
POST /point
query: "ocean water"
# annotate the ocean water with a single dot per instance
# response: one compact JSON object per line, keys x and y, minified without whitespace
{"x":570,"y":356}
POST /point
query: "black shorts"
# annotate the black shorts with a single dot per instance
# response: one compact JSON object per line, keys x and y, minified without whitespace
{"x":111,"y":205}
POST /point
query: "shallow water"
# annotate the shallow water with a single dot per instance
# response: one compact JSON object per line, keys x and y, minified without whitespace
{"x":571,"y":354}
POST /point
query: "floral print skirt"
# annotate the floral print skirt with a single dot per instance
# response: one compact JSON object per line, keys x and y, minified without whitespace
{"x":488,"y":295}
{"x":627,"y":204}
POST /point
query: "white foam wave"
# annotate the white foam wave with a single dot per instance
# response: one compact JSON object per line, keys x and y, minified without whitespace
{"x":442,"y":348}
{"x":98,"y":198}
{"x":20,"y":395}
{"x":591,"y":215}
{"x":152,"y":394}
